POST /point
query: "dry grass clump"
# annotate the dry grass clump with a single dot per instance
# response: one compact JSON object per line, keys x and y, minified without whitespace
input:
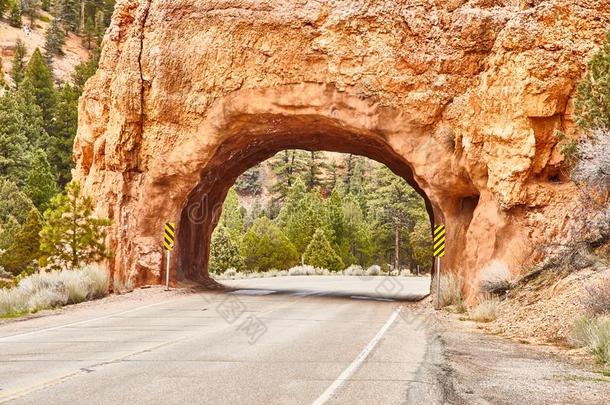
{"x":54,"y":289}
{"x":373,"y":270}
{"x":354,"y":270}
{"x":597,"y":298}
{"x":486,"y":310}
{"x":451,"y":290}
{"x":594,"y":334}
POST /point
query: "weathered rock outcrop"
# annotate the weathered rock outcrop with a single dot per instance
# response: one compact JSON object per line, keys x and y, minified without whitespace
{"x":461,"y":97}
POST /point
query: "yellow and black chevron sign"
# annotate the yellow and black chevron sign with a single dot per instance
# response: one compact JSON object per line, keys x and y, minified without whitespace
{"x":169,"y":236}
{"x":439,"y":241}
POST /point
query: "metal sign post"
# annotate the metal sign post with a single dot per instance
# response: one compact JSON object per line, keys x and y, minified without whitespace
{"x":439,"y":251}
{"x":169,"y":238}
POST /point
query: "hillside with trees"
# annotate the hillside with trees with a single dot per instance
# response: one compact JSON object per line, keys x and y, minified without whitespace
{"x":44,"y":219}
{"x":322,"y":209}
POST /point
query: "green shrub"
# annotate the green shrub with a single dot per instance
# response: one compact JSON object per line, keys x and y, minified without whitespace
{"x":320,"y":253}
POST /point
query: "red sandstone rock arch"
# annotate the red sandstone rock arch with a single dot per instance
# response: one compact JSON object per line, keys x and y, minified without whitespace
{"x":457,"y":97}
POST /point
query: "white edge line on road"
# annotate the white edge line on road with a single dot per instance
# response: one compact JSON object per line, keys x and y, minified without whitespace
{"x":345,"y":375}
{"x":10,"y":337}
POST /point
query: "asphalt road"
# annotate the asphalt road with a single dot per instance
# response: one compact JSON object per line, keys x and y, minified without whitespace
{"x":287,"y":340}
{"x":334,"y":340}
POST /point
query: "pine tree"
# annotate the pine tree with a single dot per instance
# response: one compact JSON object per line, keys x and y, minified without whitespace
{"x":592,"y":102}
{"x":249,"y":182}
{"x":396,"y":207}
{"x":64,"y":128}
{"x":71,"y":236}
{"x":15,"y":15}
{"x":30,"y":8}
{"x":2,"y":81}
{"x":224,"y":252}
{"x":55,"y":39}
{"x":84,"y":70}
{"x":40,"y":185}
{"x":68,"y":12}
{"x":315,"y":168}
{"x":25,"y":247}
{"x":31,"y":119}
{"x":15,"y":146}
{"x":8,"y":232}
{"x":18,"y":62}
{"x":232,"y":217}
{"x":265,"y":247}
{"x":13,"y":202}
{"x":287,"y":166}
{"x":421,"y":245}
{"x":39,"y":76}
{"x":319,"y":253}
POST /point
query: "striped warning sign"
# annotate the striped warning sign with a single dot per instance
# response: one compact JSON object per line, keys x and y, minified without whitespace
{"x":169,"y":236}
{"x":439,"y":241}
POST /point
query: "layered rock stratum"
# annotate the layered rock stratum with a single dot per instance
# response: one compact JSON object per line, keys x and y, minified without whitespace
{"x":461,"y":98}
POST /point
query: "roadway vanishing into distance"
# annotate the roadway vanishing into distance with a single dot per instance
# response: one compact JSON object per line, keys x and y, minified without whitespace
{"x":285,"y":340}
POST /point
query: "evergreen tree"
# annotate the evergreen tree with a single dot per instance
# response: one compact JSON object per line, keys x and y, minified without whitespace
{"x":64,"y":128}
{"x":13,"y":203}
{"x":2,"y":81}
{"x":315,"y":168}
{"x":55,"y":39}
{"x":40,"y":185}
{"x":30,"y":8}
{"x":265,"y":247}
{"x":8,"y":232}
{"x":224,"y":252}
{"x":32,"y":121}
{"x":256,"y":211}
{"x":249,"y":182}
{"x":84,"y":70}
{"x":15,"y":15}
{"x":421,"y":244}
{"x":25,"y":247}
{"x":593,"y":93}
{"x":15,"y":146}
{"x":396,"y":207}
{"x":319,"y":253}
{"x":232,"y":217}
{"x":39,"y":76}
{"x":18,"y":62}
{"x":287,"y":166}
{"x":3,"y":6}
{"x":68,"y":12}
{"x":71,"y":236}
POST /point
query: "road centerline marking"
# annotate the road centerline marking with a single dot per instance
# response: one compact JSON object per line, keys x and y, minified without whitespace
{"x":355,"y":365}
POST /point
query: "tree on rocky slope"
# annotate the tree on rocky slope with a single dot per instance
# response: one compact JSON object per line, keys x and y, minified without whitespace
{"x":40,"y":184}
{"x":55,"y":38}
{"x":15,"y":15}
{"x":18,"y":65}
{"x":593,"y":93}
{"x":39,"y":76}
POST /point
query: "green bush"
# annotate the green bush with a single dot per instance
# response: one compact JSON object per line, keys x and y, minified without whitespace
{"x":320,"y":253}
{"x":265,"y":247}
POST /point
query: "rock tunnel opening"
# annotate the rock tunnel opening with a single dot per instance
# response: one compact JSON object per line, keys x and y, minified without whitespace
{"x":202,"y":208}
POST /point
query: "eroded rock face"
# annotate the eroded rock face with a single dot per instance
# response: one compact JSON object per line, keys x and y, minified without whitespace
{"x":462,"y":98}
